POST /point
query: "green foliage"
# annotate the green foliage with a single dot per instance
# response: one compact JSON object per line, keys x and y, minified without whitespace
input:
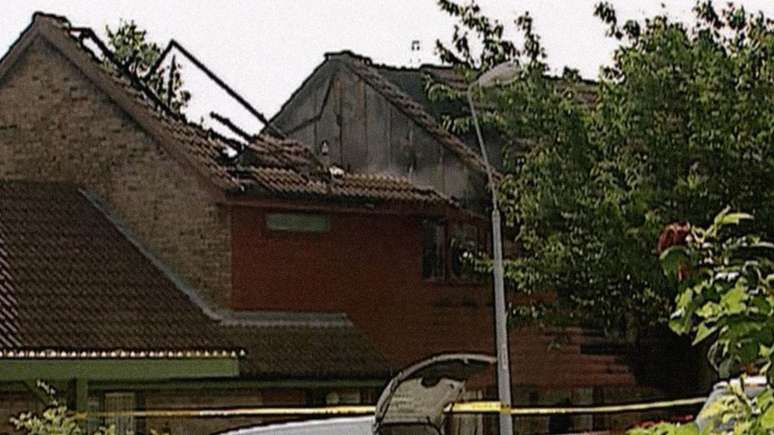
{"x":727,"y":297}
{"x":55,"y":420}
{"x":667,"y":429}
{"x":134,"y":52}
{"x":738,"y":414}
{"x":680,"y":123}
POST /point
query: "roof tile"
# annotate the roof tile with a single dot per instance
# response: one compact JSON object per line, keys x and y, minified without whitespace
{"x":308,"y":351}
{"x":71,"y":281}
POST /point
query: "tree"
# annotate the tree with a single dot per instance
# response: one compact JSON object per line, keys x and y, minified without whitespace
{"x":679,"y":125}
{"x":134,"y":52}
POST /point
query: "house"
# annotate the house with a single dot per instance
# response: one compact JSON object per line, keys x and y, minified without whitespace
{"x":326,"y":276}
{"x":80,"y":304}
{"x":87,"y":310}
{"x":378,"y":118}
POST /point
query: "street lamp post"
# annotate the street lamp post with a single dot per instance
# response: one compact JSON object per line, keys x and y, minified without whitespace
{"x":501,"y":74}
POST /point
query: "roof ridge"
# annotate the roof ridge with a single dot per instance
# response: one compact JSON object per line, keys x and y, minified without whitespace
{"x":59,"y":19}
{"x":381,"y":65}
{"x":350,"y":54}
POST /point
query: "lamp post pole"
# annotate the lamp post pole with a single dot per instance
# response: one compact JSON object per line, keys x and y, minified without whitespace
{"x":501,"y":331}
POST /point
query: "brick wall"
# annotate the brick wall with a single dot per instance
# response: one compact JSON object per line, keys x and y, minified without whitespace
{"x":55,"y":125}
{"x":368,"y":266}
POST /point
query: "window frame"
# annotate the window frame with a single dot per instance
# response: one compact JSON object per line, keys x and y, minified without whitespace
{"x":442,"y":250}
{"x":274,"y":230}
{"x":449,"y":277}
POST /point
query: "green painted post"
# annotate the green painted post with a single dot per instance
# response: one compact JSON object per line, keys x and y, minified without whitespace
{"x":81,"y":395}
{"x":81,"y":398}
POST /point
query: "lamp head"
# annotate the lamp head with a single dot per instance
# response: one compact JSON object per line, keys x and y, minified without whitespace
{"x":501,"y":74}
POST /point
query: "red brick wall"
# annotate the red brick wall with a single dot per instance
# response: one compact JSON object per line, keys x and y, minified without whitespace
{"x":368,"y":266}
{"x":55,"y":125}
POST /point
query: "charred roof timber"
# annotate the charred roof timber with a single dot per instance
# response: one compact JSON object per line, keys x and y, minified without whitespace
{"x":87,"y":33}
{"x":228,"y":123}
{"x":174,"y":44}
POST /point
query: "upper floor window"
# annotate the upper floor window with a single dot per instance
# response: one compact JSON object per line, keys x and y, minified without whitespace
{"x":465,"y":247}
{"x":450,"y":250}
{"x":298,"y":222}
{"x":433,"y":249}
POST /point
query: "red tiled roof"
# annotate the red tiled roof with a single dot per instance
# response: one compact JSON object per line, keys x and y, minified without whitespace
{"x":276,"y":167}
{"x":71,"y":282}
{"x":316,"y":349}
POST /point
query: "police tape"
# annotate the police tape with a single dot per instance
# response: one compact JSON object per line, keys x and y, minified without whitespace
{"x":478,"y":407}
{"x":496,"y":408}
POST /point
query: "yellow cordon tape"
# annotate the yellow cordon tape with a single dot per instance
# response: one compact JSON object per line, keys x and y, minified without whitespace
{"x":495,"y":408}
{"x":480,"y":407}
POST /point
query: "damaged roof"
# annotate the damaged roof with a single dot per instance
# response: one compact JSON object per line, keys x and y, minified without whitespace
{"x":74,"y":285}
{"x":406,"y":89}
{"x":264,"y":167}
{"x":289,"y":169}
{"x":403,"y":95}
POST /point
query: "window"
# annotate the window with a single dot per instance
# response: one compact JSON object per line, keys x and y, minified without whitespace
{"x":433,"y":249}
{"x":118,"y":402}
{"x":464,"y":248}
{"x":335,"y":397}
{"x":450,"y":250}
{"x":298,"y":222}
{"x":93,"y":423}
{"x":343,"y":397}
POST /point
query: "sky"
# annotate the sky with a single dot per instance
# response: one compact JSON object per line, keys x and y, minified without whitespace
{"x":264,"y":49}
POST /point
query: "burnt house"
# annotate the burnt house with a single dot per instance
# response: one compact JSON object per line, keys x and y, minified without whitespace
{"x":377,"y":119}
{"x":321,"y":272}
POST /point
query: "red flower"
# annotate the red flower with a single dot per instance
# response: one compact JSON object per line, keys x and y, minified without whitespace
{"x":673,"y":235}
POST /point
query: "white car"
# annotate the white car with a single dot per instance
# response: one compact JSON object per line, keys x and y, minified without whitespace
{"x":413,"y":402}
{"x":333,"y":426}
